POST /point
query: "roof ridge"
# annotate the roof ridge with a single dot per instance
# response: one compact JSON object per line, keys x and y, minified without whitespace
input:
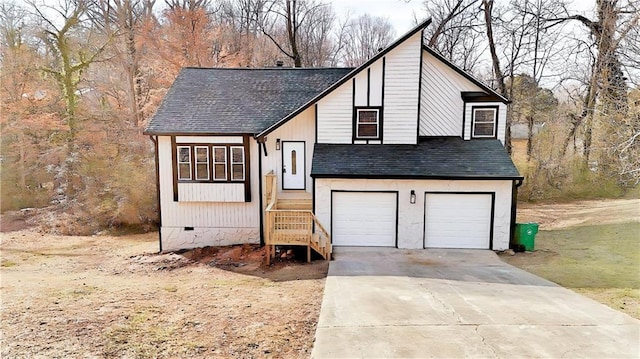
{"x":275,"y":68}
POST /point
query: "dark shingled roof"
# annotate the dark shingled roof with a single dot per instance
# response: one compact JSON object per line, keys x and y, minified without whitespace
{"x":212,"y":101}
{"x":449,"y":157}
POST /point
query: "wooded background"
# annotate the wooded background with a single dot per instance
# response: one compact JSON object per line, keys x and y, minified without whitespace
{"x":81,"y":78}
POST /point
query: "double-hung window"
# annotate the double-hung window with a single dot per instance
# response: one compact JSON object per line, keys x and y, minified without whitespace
{"x":367,"y":124}
{"x":484,"y":122}
{"x":237,"y":163}
{"x":184,"y":163}
{"x":202,"y":163}
{"x":219,"y":163}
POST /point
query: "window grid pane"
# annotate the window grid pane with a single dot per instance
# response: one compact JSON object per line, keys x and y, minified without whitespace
{"x":237,"y":163}
{"x":484,"y":122}
{"x":367,"y":124}
{"x":202,"y":163}
{"x":184,"y":163}
{"x":220,"y":163}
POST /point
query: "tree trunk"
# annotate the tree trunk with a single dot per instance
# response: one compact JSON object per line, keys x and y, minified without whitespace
{"x":529,"y":137}
{"x":292,"y":32}
{"x":495,"y":61}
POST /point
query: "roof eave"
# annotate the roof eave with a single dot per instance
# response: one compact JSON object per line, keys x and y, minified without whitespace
{"x":421,"y":177}
{"x":346,"y":78}
{"x":172,"y":133}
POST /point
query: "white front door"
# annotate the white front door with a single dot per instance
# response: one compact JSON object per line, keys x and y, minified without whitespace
{"x":293,"y":165}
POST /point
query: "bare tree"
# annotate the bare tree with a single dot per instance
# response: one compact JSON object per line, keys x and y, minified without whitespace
{"x":457,"y":33}
{"x":364,"y":37}
{"x":606,"y":80}
{"x":72,"y":48}
{"x":290,"y":19}
{"x":123,"y":20}
{"x":189,"y":33}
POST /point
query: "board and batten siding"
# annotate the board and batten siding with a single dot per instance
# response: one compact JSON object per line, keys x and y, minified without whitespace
{"x":369,"y":86}
{"x":391,"y":82}
{"x":401,"y":94}
{"x":441,"y":104}
{"x":299,"y":128}
{"x":411,"y":216}
{"x":198,"y":224}
{"x":502,"y":118}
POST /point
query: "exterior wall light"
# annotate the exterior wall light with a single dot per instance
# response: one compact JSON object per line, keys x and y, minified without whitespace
{"x":412,"y":197}
{"x":277,"y":144}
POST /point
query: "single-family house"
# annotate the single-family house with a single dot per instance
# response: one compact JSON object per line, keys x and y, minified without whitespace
{"x":406,"y":150}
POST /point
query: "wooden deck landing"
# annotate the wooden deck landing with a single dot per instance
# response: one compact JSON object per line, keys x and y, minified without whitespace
{"x":289,"y":220}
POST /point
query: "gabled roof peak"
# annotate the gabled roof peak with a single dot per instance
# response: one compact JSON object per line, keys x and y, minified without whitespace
{"x":419,"y":27}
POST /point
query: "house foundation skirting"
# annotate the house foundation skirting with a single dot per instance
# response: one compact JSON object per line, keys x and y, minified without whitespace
{"x":175,"y":238}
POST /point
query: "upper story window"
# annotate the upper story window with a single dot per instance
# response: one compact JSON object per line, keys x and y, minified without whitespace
{"x":367,"y":124}
{"x":210,"y":163}
{"x":484,"y":122}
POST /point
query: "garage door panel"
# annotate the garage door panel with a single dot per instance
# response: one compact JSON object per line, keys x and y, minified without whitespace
{"x":458,"y":220}
{"x":364,"y":219}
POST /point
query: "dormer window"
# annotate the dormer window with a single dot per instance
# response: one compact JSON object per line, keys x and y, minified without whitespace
{"x":484,"y":122}
{"x":367,"y":124}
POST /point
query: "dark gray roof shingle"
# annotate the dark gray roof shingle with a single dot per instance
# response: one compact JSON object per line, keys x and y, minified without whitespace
{"x":432,"y":158}
{"x":211,"y":101}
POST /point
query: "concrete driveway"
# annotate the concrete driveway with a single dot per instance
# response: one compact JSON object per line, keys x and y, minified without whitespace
{"x":384,"y":303}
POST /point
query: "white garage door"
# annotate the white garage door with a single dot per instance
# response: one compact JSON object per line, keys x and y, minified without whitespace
{"x":457,"y":220}
{"x":364,"y":219}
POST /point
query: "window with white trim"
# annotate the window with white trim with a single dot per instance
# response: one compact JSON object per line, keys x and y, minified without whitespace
{"x":184,"y":163}
{"x":202,"y":163}
{"x":367,"y":123}
{"x":210,"y":163}
{"x":484,"y":122}
{"x":237,"y":163}
{"x":219,"y":163}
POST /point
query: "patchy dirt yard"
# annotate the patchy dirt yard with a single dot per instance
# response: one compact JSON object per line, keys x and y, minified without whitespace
{"x":104,"y":296}
{"x":563,"y":215}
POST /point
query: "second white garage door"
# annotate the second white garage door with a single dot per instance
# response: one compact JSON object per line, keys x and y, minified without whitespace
{"x":458,"y":220}
{"x":364,"y":219}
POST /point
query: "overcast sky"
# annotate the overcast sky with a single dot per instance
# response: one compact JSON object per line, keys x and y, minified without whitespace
{"x":401,"y":13}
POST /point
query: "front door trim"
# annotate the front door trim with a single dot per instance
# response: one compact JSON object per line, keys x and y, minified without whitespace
{"x":304,"y":165}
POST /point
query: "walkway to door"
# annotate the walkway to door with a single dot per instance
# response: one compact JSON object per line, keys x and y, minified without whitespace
{"x":385,"y":302}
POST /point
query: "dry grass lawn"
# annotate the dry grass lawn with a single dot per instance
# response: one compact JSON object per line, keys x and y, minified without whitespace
{"x":591,"y":247}
{"x":103,"y":296}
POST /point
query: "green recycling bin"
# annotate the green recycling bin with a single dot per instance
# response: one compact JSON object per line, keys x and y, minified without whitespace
{"x":526,"y":235}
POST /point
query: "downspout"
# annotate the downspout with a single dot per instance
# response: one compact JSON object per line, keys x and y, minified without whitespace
{"x":155,"y":146}
{"x":261,"y":142}
{"x":514,"y":207}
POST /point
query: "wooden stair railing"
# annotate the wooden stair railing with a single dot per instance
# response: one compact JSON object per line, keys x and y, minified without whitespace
{"x":292,"y":226}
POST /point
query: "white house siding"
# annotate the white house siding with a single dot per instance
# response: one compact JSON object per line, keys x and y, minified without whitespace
{"x":411,"y":216}
{"x":299,"y":128}
{"x":502,"y":118}
{"x":335,"y":115}
{"x":400,"y":76}
{"x":213,"y":223}
{"x":211,"y":192}
{"x":375,"y":83}
{"x":369,"y":86}
{"x":401,"y":95}
{"x":361,"y":88}
{"x":441,"y":105}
